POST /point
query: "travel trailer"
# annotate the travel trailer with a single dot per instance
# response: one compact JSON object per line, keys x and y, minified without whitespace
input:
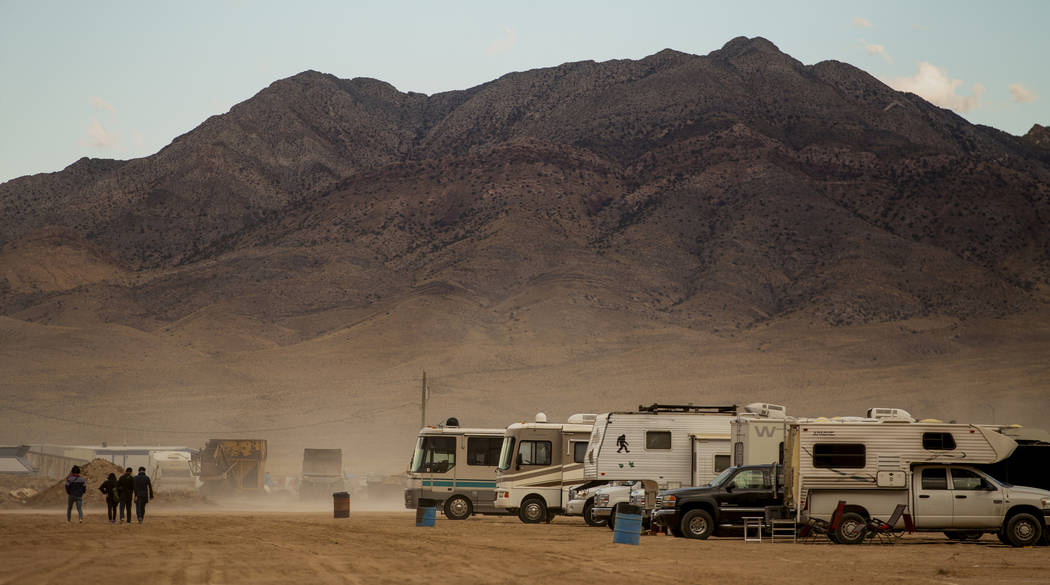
{"x":663,"y":446}
{"x":456,"y":468}
{"x":875,"y":463}
{"x":539,"y":463}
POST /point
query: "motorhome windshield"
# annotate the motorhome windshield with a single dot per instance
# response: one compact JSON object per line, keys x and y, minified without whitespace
{"x":506,"y":454}
{"x":721,"y":477}
{"x":434,"y":455}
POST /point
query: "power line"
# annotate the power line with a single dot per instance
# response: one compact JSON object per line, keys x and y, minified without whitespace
{"x":356,"y":417}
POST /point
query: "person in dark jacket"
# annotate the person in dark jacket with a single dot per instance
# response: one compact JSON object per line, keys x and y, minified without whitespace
{"x":125,"y":490}
{"x":143,"y":493}
{"x":109,"y":488}
{"x":75,"y":488}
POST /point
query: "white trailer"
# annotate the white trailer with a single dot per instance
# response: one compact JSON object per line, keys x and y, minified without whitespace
{"x":875,"y":464}
{"x":758,"y":434}
{"x":455,"y":467}
{"x":539,"y":464}
{"x":171,"y":471}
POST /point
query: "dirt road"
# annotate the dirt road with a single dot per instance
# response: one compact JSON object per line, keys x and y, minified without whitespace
{"x":373,"y":547}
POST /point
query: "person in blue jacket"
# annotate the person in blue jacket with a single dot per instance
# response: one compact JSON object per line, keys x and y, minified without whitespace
{"x":143,"y":493}
{"x":75,"y":488}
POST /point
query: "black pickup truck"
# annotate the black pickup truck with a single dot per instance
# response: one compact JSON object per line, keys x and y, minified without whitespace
{"x":737,"y":492}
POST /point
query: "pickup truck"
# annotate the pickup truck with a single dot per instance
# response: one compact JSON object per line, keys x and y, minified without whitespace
{"x":736,"y":493}
{"x":959,"y":500}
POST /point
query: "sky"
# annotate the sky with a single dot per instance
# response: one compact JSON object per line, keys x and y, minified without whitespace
{"x":114,"y":79}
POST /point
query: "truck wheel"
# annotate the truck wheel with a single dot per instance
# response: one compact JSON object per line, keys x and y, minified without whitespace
{"x":533,"y":510}
{"x":590,"y":520}
{"x":458,"y":508}
{"x":1023,"y":530}
{"x":852,"y":529}
{"x":697,"y":524}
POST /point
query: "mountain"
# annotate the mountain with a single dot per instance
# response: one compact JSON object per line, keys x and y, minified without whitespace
{"x":731,"y":227}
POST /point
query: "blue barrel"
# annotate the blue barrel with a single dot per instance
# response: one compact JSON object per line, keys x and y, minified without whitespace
{"x":627,"y":527}
{"x":426,"y":512}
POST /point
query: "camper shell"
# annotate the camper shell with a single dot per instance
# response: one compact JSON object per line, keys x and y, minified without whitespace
{"x":758,"y":434}
{"x":455,"y":467}
{"x":540,"y":462}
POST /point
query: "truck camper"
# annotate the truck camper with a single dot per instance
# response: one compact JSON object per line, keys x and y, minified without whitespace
{"x":660,"y":446}
{"x":539,"y":463}
{"x":455,"y":467}
{"x":876,"y":463}
{"x":758,"y":434}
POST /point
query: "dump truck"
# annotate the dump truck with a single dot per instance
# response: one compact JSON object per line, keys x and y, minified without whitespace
{"x":322,"y":473}
{"x":231,"y":465}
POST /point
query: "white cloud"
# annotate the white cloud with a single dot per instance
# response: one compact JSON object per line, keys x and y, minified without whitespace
{"x":861,"y":22}
{"x":510,"y":38}
{"x":1021,"y":94}
{"x":934,"y":85}
{"x":99,"y":137}
{"x":101,"y":104}
{"x":873,"y":49}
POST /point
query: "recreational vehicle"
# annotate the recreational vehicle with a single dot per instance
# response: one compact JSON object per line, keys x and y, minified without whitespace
{"x":662,"y":445}
{"x":456,"y":468}
{"x":758,"y":434}
{"x":539,"y":463}
{"x":875,"y":464}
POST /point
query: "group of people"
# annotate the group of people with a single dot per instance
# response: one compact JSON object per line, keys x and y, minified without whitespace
{"x":119,"y":494}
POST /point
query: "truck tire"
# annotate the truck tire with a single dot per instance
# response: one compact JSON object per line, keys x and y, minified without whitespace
{"x":458,"y":508}
{"x":590,"y":520}
{"x":852,"y":529}
{"x":697,"y":524}
{"x":533,"y":510}
{"x":1023,"y":530}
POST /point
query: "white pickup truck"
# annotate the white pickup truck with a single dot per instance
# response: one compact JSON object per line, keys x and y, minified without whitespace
{"x":959,"y":500}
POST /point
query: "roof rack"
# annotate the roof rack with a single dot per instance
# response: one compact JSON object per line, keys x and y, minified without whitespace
{"x":654,"y":407}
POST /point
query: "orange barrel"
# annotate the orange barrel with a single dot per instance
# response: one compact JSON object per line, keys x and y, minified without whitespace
{"x":341,"y":504}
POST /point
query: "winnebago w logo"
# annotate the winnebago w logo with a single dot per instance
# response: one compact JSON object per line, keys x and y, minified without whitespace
{"x":764,"y":431}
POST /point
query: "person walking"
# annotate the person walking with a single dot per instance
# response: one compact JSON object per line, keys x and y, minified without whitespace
{"x":109,"y":488}
{"x":125,"y":491}
{"x":143,"y":493}
{"x":76,"y":485}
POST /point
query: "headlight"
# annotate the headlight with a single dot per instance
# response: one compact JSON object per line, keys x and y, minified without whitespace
{"x":669,"y":501}
{"x":601,"y":500}
{"x":637,"y":499}
{"x":1046,"y":503}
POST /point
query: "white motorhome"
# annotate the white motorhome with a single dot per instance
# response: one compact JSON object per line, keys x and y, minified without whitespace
{"x":539,"y":463}
{"x":171,"y":471}
{"x":758,"y":434}
{"x":663,"y":446}
{"x":874,"y":464}
{"x":455,"y":467}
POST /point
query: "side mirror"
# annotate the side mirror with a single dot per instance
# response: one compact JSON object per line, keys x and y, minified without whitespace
{"x":729,"y":488}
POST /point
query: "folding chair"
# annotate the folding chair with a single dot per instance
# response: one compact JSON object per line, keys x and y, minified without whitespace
{"x":815,"y":526}
{"x":886,"y":531}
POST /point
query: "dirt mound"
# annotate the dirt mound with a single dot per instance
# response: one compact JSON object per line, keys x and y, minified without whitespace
{"x":94,"y":474}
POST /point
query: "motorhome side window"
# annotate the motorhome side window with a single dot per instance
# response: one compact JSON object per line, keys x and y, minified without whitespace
{"x":483,"y":450}
{"x":435,"y":455}
{"x":657,"y":439}
{"x":579,"y":451}
{"x":938,"y":441}
{"x":535,"y":452}
{"x":935,"y":478}
{"x":848,"y":455}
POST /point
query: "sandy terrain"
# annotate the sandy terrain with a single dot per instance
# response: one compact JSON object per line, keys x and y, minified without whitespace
{"x":376,"y":547}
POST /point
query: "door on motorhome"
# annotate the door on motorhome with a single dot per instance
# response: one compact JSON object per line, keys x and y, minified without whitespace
{"x":710,"y":457}
{"x":978,"y":501}
{"x":435,"y":461}
{"x":933,"y":498}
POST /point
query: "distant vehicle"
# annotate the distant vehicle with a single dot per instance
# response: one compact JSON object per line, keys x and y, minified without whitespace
{"x":232,"y":465}
{"x":456,"y":468}
{"x":322,"y":474}
{"x":874,"y":464}
{"x":171,"y":471}
{"x":539,"y":462}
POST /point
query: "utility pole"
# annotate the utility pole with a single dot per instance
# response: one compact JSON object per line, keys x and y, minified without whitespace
{"x":424,"y":395}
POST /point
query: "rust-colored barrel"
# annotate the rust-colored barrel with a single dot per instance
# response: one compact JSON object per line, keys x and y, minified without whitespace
{"x":341,"y":504}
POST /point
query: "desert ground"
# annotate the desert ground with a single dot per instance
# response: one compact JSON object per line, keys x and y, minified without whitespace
{"x":227,"y":547}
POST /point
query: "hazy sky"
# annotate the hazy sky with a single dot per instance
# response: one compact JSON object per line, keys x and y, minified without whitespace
{"x":122,"y":79}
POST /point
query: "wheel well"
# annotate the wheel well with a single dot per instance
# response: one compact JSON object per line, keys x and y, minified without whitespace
{"x":690,"y":506}
{"x":1022,"y":509}
{"x":534,"y":495}
{"x":857,"y":510}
